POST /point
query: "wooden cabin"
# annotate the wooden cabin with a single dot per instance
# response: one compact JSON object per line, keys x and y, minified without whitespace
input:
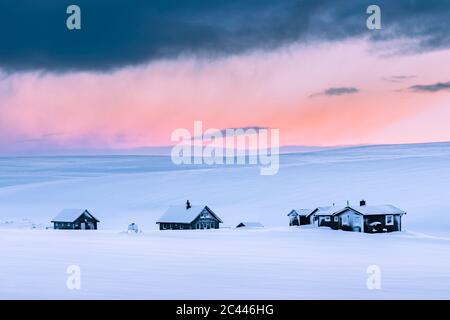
{"x":324,"y":217}
{"x":362,"y":218}
{"x":299,"y":217}
{"x":370,"y":219}
{"x":189,"y":217}
{"x":251,"y":225}
{"x":75,"y":219}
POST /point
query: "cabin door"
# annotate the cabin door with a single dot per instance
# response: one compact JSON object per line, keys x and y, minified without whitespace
{"x":83,"y":225}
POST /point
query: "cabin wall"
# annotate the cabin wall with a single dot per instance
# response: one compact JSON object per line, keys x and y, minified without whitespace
{"x":382,"y":227}
{"x":63,"y":226}
{"x":205,"y":223}
{"x":174,"y":226}
{"x":90,"y":224}
{"x":351,"y":221}
{"x":294,"y":221}
{"x":304,"y":220}
{"x":331,"y":224}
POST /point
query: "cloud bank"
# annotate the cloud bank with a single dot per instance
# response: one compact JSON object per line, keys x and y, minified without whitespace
{"x":336,"y":92}
{"x":118,"y":33}
{"x":435,"y":87}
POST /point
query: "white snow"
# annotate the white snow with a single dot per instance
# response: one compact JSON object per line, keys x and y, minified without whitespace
{"x":378,"y":209}
{"x":69,"y":215}
{"x":276,"y":262}
{"x":301,"y":212}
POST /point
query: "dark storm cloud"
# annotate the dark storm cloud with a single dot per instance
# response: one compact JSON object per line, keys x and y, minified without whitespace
{"x":116,"y":33}
{"x":440,"y":86}
{"x":336,"y":92}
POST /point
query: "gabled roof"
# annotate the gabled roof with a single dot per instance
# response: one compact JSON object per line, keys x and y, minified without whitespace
{"x":301,"y":212}
{"x":250,"y":225}
{"x":328,"y":211}
{"x":70,"y":215}
{"x":374,"y":210}
{"x":179,"y":214}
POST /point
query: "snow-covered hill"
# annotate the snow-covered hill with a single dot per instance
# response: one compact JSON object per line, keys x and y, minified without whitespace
{"x":276,"y":262}
{"x":121,"y":189}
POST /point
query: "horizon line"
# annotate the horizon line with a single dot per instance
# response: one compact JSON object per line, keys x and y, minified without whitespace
{"x":91,"y":152}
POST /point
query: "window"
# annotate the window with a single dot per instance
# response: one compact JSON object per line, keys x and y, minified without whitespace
{"x":204,"y":214}
{"x":327,"y":219}
{"x":336,"y":219}
{"x":356,"y":220}
{"x":389,"y":220}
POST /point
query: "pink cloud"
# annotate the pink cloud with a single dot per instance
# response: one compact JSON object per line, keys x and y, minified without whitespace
{"x":141,"y":106}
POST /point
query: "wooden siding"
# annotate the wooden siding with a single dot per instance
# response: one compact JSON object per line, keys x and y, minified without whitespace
{"x":89,"y":224}
{"x":382,"y":226}
{"x":331,"y":224}
{"x":350,"y":220}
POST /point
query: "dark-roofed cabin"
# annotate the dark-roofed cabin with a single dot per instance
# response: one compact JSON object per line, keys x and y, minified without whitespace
{"x":362,"y":218}
{"x":249,"y":225}
{"x":188,"y":217}
{"x":75,"y":219}
{"x":370,"y":219}
{"x":299,"y":217}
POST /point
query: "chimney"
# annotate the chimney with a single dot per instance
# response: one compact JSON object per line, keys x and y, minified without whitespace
{"x":348,"y":203}
{"x":362,"y":203}
{"x":188,"y":205}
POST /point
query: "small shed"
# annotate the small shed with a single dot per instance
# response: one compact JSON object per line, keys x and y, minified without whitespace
{"x":75,"y":219}
{"x":250,"y":225}
{"x":189,"y":217}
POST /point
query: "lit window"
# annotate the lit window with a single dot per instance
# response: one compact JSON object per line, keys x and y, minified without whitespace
{"x":336,"y":219}
{"x":327,"y":219}
{"x":389,"y":220}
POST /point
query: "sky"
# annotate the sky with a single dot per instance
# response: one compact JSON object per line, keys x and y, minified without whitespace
{"x":138,"y":70}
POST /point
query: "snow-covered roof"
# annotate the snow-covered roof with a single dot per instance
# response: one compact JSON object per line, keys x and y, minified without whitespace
{"x":70,"y":215}
{"x":364,"y":210}
{"x":377,"y":209}
{"x":327,"y":211}
{"x":301,"y":212}
{"x":250,"y":225}
{"x":179,"y":214}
